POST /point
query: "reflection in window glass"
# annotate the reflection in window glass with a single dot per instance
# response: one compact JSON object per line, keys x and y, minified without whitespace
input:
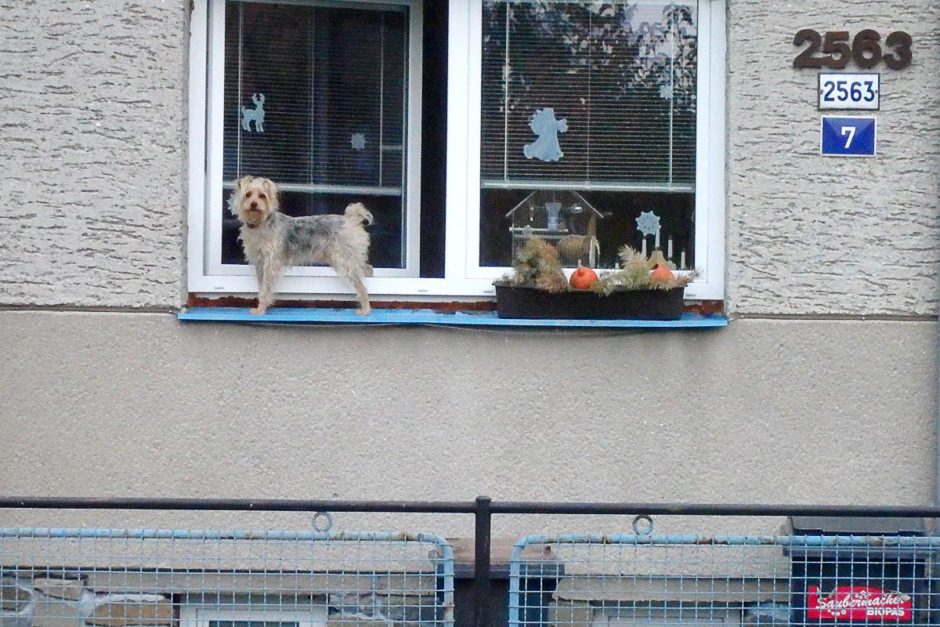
{"x":589,"y":119}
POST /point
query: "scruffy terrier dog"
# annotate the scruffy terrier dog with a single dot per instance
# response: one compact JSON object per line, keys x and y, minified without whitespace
{"x":273,"y":240}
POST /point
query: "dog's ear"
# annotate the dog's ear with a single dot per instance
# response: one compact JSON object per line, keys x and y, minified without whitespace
{"x":234,"y":198}
{"x":242,"y":182}
{"x":270,"y":188}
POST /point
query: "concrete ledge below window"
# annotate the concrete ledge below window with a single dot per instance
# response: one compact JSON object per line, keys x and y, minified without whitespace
{"x":317,"y":316}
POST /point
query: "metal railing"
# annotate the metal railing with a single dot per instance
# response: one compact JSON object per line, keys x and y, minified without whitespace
{"x":210,"y":578}
{"x":579,"y":579}
{"x":116,"y":577}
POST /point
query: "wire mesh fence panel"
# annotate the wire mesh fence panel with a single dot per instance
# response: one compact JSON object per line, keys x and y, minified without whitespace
{"x":634,"y":579}
{"x":207,"y":578}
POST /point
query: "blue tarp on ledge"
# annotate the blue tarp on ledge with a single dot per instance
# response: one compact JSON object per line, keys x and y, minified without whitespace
{"x":317,"y":316}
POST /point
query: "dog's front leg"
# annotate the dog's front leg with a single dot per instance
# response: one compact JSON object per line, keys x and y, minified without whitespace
{"x":267,"y":271}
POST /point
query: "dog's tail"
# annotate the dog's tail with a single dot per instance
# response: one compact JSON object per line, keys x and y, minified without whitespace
{"x":357,"y":212}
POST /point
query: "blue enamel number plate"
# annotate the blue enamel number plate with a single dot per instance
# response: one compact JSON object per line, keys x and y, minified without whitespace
{"x":848,"y":136}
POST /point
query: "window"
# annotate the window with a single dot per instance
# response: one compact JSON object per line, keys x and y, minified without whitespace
{"x":332,"y":83}
{"x":194,"y":616}
{"x":465,"y":126}
{"x":587,"y":120}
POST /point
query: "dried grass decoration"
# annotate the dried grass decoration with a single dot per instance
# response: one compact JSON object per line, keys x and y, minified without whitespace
{"x":638,"y":272}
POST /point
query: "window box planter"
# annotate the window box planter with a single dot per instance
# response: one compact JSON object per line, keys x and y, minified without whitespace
{"x":532,"y":303}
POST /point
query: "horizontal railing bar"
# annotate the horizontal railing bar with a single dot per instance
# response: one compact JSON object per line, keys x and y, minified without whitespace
{"x":271,"y":535}
{"x":873,"y":541}
{"x":693,"y":509}
{"x":469,"y":507}
{"x":259,"y":505}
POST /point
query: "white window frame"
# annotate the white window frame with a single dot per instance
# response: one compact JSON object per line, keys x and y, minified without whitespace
{"x":464,"y":103}
{"x":195,"y":616}
{"x":464,"y":276}
{"x":207,"y":60}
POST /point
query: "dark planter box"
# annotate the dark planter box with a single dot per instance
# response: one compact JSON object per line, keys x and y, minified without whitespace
{"x":532,"y":303}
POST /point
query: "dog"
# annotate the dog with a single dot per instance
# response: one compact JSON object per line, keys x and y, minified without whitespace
{"x":273,"y":240}
{"x":255,"y":115}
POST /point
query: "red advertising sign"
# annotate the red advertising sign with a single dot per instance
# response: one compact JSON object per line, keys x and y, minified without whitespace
{"x":857,"y":603}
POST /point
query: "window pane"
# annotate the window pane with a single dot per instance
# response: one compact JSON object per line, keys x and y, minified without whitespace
{"x":607,"y":217}
{"x":593,"y":98}
{"x":270,"y":74}
{"x":315,"y":100}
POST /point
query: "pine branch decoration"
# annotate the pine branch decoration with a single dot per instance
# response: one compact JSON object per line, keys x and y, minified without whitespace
{"x":537,"y":265}
{"x":634,"y":274}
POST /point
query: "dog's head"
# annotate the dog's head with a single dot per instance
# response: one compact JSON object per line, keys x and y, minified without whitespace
{"x":253,"y":199}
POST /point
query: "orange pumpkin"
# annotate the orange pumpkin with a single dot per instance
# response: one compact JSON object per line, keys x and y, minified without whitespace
{"x":661,"y":274}
{"x":582,"y":278}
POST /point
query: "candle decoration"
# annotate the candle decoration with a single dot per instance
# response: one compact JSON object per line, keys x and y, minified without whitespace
{"x":648,"y":224}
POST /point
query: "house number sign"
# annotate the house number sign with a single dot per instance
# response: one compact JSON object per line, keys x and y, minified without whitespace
{"x":839,"y":90}
{"x":835,"y":49}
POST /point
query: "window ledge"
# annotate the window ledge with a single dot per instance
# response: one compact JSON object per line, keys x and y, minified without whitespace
{"x":317,"y":316}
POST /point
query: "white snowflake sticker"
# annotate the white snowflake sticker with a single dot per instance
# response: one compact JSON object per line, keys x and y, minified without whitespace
{"x":648,"y":223}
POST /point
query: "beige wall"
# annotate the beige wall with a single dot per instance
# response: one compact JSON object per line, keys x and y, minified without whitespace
{"x":92,"y":125}
{"x":94,"y":162}
{"x":814,"y":235}
{"x":763,"y":411}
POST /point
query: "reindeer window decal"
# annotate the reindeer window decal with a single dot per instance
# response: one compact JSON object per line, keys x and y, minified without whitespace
{"x":255,"y":115}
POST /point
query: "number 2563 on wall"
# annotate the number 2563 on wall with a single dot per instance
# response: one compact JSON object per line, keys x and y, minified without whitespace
{"x":858,"y":92}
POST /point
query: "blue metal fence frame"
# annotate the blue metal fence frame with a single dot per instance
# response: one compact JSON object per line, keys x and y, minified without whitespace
{"x":482,"y":508}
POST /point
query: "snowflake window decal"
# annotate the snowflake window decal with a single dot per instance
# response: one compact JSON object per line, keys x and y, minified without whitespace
{"x":648,"y":223}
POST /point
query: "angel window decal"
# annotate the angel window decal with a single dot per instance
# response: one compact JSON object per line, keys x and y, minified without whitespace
{"x":544,"y":124}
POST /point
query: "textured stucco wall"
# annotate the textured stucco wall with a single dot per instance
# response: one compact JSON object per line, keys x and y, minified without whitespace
{"x":763,"y":411}
{"x":92,"y":167}
{"x":92,"y":103}
{"x":810,"y":234}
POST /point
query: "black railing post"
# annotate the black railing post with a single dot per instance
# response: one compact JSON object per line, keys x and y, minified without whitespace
{"x":482,"y":585}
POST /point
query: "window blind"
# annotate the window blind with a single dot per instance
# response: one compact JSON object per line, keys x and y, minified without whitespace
{"x":589,"y":95}
{"x":331,"y":83}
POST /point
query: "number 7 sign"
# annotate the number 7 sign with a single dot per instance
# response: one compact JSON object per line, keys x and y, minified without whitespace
{"x":847,"y":137}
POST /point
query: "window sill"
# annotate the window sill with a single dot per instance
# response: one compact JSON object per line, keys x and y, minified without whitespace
{"x":402,"y":317}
